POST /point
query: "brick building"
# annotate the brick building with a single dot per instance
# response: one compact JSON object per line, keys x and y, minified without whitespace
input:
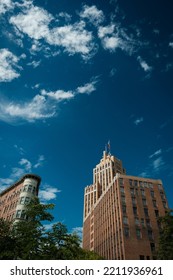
{"x":14,"y":199}
{"x":121,"y":212}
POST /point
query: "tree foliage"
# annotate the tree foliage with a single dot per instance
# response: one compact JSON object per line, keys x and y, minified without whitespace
{"x":29,"y":239}
{"x":165,"y":249}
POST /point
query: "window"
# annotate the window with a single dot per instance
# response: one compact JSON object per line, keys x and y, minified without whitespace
{"x":122,"y":189}
{"x":123,"y":199}
{"x":150,"y":185}
{"x":157,"y":213}
{"x":152,"y":193}
{"x":18,"y":213}
{"x":142,"y":192}
{"x":135,"y":183}
{"x":138,"y":233}
{"x":148,"y":223}
{"x":22,"y":199}
{"x":148,"y":257}
{"x":124,"y":209}
{"x":142,"y":222}
{"x":137,"y":222}
{"x":150,"y":234}
{"x":146,"y":212}
{"x":141,"y":184}
{"x":164,"y":204}
{"x":132,"y":191}
{"x":133,"y":200}
{"x":130,"y":182}
{"x":27,"y":200}
{"x":25,"y":188}
{"x":29,"y":188}
{"x":125,"y":220}
{"x":152,"y":246}
{"x":162,"y":195}
{"x":121,"y":181}
{"x":126,"y":232}
{"x":135,"y":210}
{"x":160,"y":187}
{"x":141,"y":257}
{"x":144,"y":201}
{"x":154,"y":203}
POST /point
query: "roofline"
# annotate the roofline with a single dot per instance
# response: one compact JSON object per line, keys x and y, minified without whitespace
{"x":28,"y":175}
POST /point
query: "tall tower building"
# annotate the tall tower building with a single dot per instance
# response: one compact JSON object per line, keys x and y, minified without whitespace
{"x":121,"y":212}
{"x":14,"y":199}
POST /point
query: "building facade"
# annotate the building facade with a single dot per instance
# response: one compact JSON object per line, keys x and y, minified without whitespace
{"x":14,"y":199}
{"x":121,"y":212}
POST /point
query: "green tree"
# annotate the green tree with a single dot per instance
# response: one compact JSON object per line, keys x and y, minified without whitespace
{"x":29,"y":239}
{"x":7,"y":241}
{"x":165,"y":248}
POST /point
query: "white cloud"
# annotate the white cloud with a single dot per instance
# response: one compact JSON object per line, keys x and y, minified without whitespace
{"x":34,"y":23}
{"x":138,"y":121}
{"x":144,"y":65}
{"x":110,"y":40}
{"x":111,"y":43}
{"x":36,"y":109}
{"x":157,"y":164}
{"x":92,"y":14}
{"x":19,"y":149}
{"x":34,"y":63}
{"x":42,"y":106}
{"x":5,"y":5}
{"x":26,"y":164}
{"x":58,"y":95}
{"x":113,"y":72}
{"x":40,"y":161}
{"x":16,"y":174}
{"x":158,"y":152}
{"x":48,"y":192}
{"x":171,"y":44}
{"x":74,"y":38}
{"x":105,"y":30}
{"x":87,"y":88}
{"x":8,"y":66}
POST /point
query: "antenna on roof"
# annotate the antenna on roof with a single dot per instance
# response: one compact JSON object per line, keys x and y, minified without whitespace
{"x":109,"y":147}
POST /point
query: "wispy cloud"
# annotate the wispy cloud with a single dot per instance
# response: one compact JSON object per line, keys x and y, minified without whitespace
{"x":113,"y":72}
{"x":48,"y":192}
{"x":157,"y":164}
{"x":43,"y":106}
{"x":24,"y":166}
{"x":35,"y":22}
{"x":35,"y":109}
{"x":40,"y":161}
{"x":144,"y":65}
{"x":138,"y":121}
{"x":58,"y":95}
{"x":9,"y":68}
{"x":158,"y":152}
{"x":93,"y":14}
{"x":88,"y":87}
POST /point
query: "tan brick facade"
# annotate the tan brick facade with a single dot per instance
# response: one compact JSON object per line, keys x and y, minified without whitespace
{"x":120,"y":220}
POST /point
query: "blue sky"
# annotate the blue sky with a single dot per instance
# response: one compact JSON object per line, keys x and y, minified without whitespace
{"x":74,"y":75}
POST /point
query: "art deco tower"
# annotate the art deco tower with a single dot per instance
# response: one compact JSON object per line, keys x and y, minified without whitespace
{"x":121,"y":212}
